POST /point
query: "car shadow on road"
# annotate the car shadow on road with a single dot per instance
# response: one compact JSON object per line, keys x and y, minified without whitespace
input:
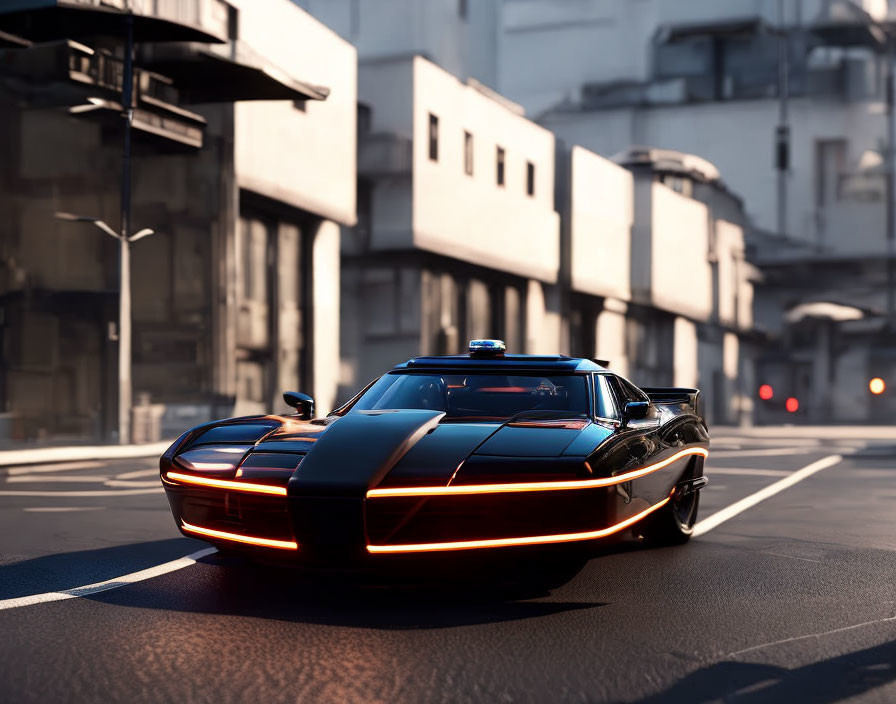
{"x":52,"y":573}
{"x":830,"y":680}
{"x":221,"y":585}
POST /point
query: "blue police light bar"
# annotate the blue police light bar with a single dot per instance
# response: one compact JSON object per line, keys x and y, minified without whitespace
{"x":487,"y":347}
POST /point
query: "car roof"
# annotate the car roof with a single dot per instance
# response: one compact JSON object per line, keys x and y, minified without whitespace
{"x":557,"y":364}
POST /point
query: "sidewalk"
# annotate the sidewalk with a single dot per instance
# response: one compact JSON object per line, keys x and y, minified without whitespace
{"x":46,"y":455}
{"x":827,"y":432}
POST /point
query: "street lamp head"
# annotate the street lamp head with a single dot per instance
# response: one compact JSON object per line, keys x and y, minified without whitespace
{"x":145,"y":232}
{"x":71,"y":217}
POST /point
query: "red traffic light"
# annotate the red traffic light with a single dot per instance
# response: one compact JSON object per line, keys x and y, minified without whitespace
{"x":766,"y":392}
{"x":792,"y":405}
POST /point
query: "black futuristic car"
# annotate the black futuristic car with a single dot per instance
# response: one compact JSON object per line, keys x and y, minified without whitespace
{"x":532,"y":458}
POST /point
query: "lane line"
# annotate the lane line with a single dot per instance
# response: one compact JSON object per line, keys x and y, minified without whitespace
{"x":98,"y":492}
{"x":59,"y":467}
{"x":139,"y":473}
{"x":747,"y":471}
{"x":63,"y":478}
{"x":738,"y":507}
{"x":113,"y":583}
{"x":62,"y":509}
{"x":766,"y":453}
{"x":887,"y":619}
{"x":780,"y":441}
{"x":132,"y":484}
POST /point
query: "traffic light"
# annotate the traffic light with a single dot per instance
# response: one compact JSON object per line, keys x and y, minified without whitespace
{"x":766,"y":392}
{"x":792,"y":405}
{"x":877,"y":386}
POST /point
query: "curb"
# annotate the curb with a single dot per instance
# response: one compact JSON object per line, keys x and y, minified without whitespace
{"x":49,"y":455}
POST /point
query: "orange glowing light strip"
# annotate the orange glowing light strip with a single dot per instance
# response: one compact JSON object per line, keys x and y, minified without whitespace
{"x":533,"y":486}
{"x":227,"y":484}
{"x":511,"y":542}
{"x":237,"y":538}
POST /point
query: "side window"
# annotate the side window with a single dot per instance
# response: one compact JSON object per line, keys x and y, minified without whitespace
{"x":623,"y":391}
{"x":632,"y":391}
{"x":604,"y":406}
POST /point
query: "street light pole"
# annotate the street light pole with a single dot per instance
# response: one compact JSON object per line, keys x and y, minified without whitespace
{"x":124,"y":317}
{"x":890,"y":197}
{"x":124,"y":290}
{"x":782,"y":132}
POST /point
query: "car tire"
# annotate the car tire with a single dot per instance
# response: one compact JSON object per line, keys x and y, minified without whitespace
{"x":673,"y":524}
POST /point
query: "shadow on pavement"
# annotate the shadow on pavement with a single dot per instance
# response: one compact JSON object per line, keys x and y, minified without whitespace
{"x":234,"y":588}
{"x":828,"y":680}
{"x":62,"y":571}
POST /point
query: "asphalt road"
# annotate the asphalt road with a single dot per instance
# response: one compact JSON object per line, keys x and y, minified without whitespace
{"x":793,"y":599}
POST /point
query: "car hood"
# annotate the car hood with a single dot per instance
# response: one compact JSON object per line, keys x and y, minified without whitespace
{"x":348,"y":455}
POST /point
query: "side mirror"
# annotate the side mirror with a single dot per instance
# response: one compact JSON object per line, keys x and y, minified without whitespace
{"x":635,"y":410}
{"x":303,"y":403}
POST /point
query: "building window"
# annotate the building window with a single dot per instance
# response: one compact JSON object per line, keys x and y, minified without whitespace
{"x":462,"y":9}
{"x":433,"y":137}
{"x":468,"y":153}
{"x":530,"y":178}
{"x":500,"y":173}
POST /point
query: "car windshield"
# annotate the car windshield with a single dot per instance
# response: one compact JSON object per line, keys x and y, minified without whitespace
{"x":486,"y":397}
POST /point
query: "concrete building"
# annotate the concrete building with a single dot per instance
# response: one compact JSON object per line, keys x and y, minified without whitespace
{"x":658,"y":279}
{"x":457,"y":235}
{"x":244,"y":164}
{"x":705,"y":78}
{"x":627,"y":236}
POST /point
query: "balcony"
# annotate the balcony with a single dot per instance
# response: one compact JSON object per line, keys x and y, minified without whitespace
{"x":67,"y":73}
{"x":384,"y":154}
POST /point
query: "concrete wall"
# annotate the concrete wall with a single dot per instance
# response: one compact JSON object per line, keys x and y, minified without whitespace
{"x":501,"y":225}
{"x":680,"y":276}
{"x":732,"y":134}
{"x":326,"y":296}
{"x":601,"y":218}
{"x":303,"y":157}
{"x":462,"y":45}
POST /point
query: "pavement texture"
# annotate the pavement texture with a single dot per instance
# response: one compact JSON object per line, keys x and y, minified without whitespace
{"x":793,"y":599}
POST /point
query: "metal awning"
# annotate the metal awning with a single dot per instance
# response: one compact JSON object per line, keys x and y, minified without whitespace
{"x":51,"y":20}
{"x":742,"y":27}
{"x":11,"y":41}
{"x":206,"y":75}
{"x":844,"y":24}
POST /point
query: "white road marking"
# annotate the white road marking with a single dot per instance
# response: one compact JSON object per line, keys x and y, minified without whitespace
{"x":747,"y":471}
{"x":765,"y":453}
{"x":94,"y":492}
{"x":119,"y":482}
{"x":113,"y":583}
{"x":59,"y":467}
{"x":61,"y":509}
{"x":43,"y":455}
{"x":44,"y":478}
{"x":139,"y":473}
{"x":888,"y":619}
{"x":738,"y":507}
{"x":788,"y":441}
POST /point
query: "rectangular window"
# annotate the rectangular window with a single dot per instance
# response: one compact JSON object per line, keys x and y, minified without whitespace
{"x":462,"y":9}
{"x":433,"y":137}
{"x":468,"y":153}
{"x":530,"y":178}
{"x":500,"y":173}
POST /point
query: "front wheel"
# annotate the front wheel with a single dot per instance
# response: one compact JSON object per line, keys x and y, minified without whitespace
{"x":674,"y":523}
